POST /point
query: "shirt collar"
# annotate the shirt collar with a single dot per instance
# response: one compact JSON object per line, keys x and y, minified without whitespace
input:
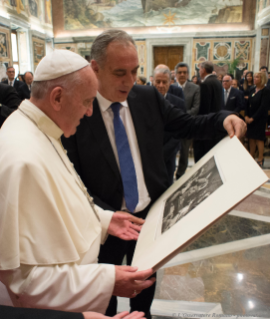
{"x":105,"y":104}
{"x":207,"y":76}
{"x":182,"y":85}
{"x":43,"y":122}
{"x":229,"y":90}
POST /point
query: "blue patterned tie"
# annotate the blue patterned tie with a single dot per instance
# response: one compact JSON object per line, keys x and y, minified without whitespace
{"x":127,"y":167}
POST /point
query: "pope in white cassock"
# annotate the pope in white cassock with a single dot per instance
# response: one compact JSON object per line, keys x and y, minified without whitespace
{"x":50,"y":231}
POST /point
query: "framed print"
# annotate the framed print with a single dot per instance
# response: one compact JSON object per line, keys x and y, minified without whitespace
{"x":211,"y":188}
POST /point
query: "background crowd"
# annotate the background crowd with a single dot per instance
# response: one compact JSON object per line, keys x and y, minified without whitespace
{"x":249,"y":97}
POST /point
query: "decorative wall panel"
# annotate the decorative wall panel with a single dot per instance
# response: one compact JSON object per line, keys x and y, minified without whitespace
{"x":39,"y":50}
{"x":222,"y":52}
{"x":202,"y":51}
{"x":5,"y":46}
{"x":142,"y":55}
{"x":242,"y":50}
{"x":67,"y":46}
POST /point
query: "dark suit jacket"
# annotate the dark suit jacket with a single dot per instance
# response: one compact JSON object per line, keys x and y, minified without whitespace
{"x":268,"y":84}
{"x":26,"y":313}
{"x":21,"y":88}
{"x":91,"y":152}
{"x":10,"y":101}
{"x":211,"y":95}
{"x":176,"y":90}
{"x":235,"y":101}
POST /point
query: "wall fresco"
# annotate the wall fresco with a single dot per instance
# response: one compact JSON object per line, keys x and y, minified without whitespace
{"x":86,"y":14}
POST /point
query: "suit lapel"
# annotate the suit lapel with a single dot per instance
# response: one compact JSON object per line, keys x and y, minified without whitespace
{"x":97,"y":126}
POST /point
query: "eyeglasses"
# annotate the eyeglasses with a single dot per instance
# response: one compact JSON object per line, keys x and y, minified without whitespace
{"x":226,"y":81}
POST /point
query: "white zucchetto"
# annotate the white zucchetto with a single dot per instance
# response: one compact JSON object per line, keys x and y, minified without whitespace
{"x":57,"y":64}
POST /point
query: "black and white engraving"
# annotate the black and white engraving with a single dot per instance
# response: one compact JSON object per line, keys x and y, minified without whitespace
{"x":201,"y":185}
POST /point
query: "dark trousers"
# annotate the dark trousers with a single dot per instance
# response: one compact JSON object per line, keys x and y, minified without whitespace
{"x":113,"y":252}
{"x":183,"y":159}
{"x":170,"y":165}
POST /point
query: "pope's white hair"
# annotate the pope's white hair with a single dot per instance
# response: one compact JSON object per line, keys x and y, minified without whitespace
{"x":69,"y":82}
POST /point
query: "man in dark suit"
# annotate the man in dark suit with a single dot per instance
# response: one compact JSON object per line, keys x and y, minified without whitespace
{"x":177,"y":91}
{"x":162,"y":79}
{"x":192,"y":103}
{"x":28,"y":77}
{"x":174,"y":88}
{"x":118,"y":152}
{"x":19,"y":86}
{"x":210,"y":102}
{"x":9,"y":101}
{"x":232,"y":98}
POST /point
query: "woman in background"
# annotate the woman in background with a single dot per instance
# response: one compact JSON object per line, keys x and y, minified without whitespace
{"x":195,"y":80}
{"x":247,"y":85}
{"x":256,"y":115}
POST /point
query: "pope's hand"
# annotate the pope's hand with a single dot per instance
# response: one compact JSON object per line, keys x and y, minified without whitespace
{"x":129,"y":283}
{"x":125,"y":226}
{"x":122,"y":315}
{"x":235,"y":126}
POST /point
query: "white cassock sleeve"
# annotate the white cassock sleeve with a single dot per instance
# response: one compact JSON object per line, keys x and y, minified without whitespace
{"x":105,"y":219}
{"x":68,"y":287}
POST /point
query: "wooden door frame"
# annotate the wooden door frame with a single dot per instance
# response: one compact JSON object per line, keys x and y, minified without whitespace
{"x":151,"y":43}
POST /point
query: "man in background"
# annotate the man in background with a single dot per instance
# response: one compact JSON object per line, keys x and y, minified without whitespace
{"x":150,"y":80}
{"x":28,"y":78}
{"x":162,"y":80}
{"x":233,"y":98}
{"x":192,"y":103}
{"x":210,"y":102}
{"x":9,"y":101}
{"x":19,"y":86}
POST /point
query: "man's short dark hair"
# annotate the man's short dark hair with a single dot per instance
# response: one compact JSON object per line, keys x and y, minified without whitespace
{"x":208,"y":66}
{"x":264,"y":67}
{"x":181,"y":65}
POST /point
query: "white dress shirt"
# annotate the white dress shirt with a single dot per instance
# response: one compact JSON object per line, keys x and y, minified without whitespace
{"x":182,"y":86}
{"x":107,"y":115}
